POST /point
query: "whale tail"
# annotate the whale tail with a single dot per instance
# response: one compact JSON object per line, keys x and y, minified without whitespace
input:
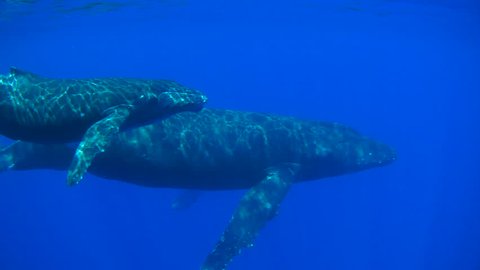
{"x":7,"y":160}
{"x":22,"y":155}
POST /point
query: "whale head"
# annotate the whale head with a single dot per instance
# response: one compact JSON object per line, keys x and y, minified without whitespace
{"x":357,"y":152}
{"x":340,"y":150}
{"x":368,"y":153}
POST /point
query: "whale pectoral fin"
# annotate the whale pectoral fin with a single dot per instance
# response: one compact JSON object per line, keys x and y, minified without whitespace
{"x":96,"y":140}
{"x":256,"y":208}
{"x":185,"y":199}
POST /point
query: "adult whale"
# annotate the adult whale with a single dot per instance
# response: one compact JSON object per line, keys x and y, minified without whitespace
{"x":46,"y":110}
{"x":222,"y":149}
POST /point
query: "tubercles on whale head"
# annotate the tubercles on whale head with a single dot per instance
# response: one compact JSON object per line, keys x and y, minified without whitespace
{"x":371,"y":153}
{"x":358,"y":152}
{"x":349,"y":151}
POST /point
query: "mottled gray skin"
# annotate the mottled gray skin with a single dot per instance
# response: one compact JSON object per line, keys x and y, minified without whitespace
{"x":221,"y":149}
{"x":38,"y":109}
{"x":46,"y":110}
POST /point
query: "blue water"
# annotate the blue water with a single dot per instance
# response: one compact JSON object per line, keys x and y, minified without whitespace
{"x":404,"y":72}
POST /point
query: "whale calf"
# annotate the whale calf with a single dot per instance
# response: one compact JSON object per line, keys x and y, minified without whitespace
{"x":45,"y":110}
{"x":218,"y":149}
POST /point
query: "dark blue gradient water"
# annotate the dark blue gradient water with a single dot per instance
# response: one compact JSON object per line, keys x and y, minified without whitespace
{"x":404,"y":72}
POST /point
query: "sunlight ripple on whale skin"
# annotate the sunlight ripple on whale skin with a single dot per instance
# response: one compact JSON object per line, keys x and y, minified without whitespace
{"x":217,"y":149}
{"x":46,"y":110}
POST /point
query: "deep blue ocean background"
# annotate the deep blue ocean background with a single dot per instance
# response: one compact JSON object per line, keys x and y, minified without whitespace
{"x":405,"y":72}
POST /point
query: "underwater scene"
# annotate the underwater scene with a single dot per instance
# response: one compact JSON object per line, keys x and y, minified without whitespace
{"x":177,"y":134}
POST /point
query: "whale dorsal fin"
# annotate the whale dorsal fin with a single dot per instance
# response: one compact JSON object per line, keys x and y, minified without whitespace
{"x":19,"y":72}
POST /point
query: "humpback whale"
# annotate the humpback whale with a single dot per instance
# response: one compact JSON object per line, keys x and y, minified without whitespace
{"x":46,"y":110}
{"x":218,"y":149}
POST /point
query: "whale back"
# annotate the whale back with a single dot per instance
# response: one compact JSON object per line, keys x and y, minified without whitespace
{"x":231,"y":149}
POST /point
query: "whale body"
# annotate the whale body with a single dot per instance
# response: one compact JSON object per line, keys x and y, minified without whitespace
{"x":47,"y":110}
{"x":217,"y":149}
